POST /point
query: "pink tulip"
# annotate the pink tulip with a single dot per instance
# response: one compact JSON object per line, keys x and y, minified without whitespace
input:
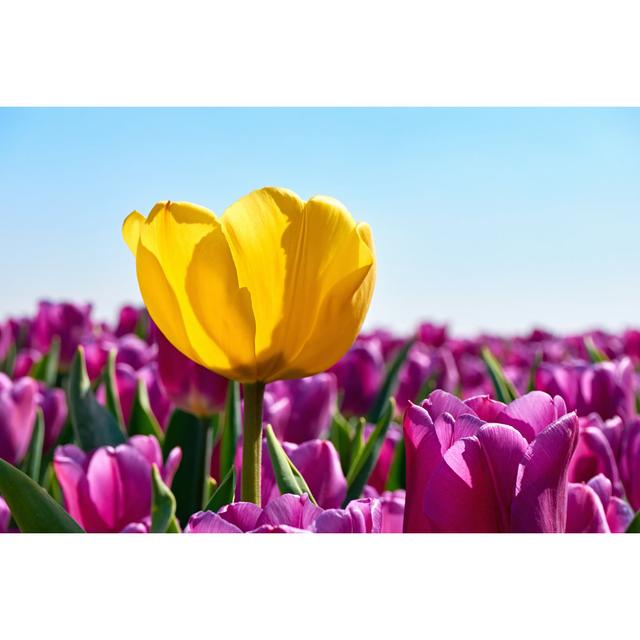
{"x":18,"y":403}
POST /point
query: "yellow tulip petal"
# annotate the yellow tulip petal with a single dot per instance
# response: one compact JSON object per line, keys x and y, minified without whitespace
{"x":222,"y":307}
{"x":131,"y":230}
{"x":170,"y":234}
{"x":257,"y":228}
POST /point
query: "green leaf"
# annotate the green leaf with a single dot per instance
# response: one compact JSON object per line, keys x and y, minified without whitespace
{"x":93,"y":425}
{"x":32,"y":508}
{"x":163,"y":505}
{"x":46,"y":369}
{"x":357,"y":444}
{"x":33,"y":459}
{"x":191,"y":435}
{"x":505,"y":391}
{"x":366,"y":460}
{"x":111,"y":388}
{"x":389,"y":384}
{"x":288,"y":478}
{"x":231,"y":428}
{"x":142,"y":421}
{"x":634,"y":525}
{"x":397,"y":477}
{"x":595,"y":355}
{"x":340,"y":436}
{"x":224,"y":494}
{"x":535,"y":365}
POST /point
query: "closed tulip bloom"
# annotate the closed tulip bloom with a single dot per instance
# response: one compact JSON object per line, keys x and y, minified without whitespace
{"x":312,"y":403}
{"x":189,"y":385}
{"x":110,"y":489}
{"x":128,"y":320}
{"x":468,"y":475}
{"x":294,"y":280}
{"x":53,"y":403}
{"x":71,"y":323}
{"x":17,"y":417}
{"x":25,"y":360}
{"x":360,"y":373}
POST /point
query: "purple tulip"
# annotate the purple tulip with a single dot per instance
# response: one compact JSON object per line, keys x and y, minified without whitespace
{"x":5,"y":516}
{"x":434,"y":335}
{"x":290,"y":514}
{"x":276,"y":411}
{"x":110,"y":488}
{"x":629,"y":462}
{"x":312,"y":403}
{"x":70,"y":322}
{"x":392,"y":504}
{"x":17,"y":417}
{"x":592,"y":508}
{"x":127,"y":382}
{"x":387,"y":341}
{"x":24,"y":362}
{"x":360,"y":516}
{"x":422,"y":364}
{"x":466,"y":475}
{"x":189,"y":385}
{"x":53,"y":403}
{"x":128,"y":319}
{"x":594,"y":455}
{"x":606,"y":388}
{"x":318,"y":462}
{"x":360,"y":373}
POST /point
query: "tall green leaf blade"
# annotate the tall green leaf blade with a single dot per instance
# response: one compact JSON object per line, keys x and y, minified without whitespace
{"x":231,"y":429}
{"x":163,"y":505}
{"x":389,"y":384}
{"x":142,"y":421}
{"x":224,"y":493}
{"x":33,"y":459}
{"x":111,"y":388}
{"x":190,"y":434}
{"x":93,"y":425}
{"x":340,"y":436}
{"x":365,"y":462}
{"x":33,"y":509}
{"x":505,"y":391}
{"x":288,"y":478}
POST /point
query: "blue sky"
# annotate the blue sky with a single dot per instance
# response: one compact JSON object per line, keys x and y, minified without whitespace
{"x":494,"y":219}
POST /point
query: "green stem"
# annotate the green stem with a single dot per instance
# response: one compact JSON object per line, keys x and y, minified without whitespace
{"x":252,"y":441}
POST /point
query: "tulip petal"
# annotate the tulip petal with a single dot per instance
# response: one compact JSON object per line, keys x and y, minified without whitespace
{"x":243,"y":515}
{"x":168,"y":239}
{"x":504,"y":448}
{"x":223,"y":307}
{"x":294,"y":511}
{"x":585,"y":513}
{"x":619,"y":515}
{"x":460,"y":496}
{"x":530,"y":413}
{"x":541,"y":488}
{"x":131,"y":230}
{"x":209,"y":522}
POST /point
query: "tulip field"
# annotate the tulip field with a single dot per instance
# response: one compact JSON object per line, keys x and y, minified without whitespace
{"x":244,"y":397}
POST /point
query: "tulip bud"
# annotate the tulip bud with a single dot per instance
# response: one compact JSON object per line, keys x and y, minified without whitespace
{"x":17,"y":417}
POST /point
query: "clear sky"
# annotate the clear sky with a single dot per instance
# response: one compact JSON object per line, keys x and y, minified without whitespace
{"x":494,"y":219}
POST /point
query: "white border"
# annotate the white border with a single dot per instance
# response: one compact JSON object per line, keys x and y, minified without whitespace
{"x":287,"y":52}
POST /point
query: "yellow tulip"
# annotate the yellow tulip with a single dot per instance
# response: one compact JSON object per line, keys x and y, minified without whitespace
{"x":275,"y":288}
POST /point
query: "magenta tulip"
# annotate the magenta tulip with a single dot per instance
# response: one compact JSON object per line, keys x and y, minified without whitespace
{"x":466,"y":475}
{"x":71,"y":323}
{"x":312,"y":404}
{"x":18,"y":403}
{"x":5,"y":516}
{"x":189,"y":385}
{"x":360,"y":373}
{"x":53,"y":403}
{"x":110,"y":488}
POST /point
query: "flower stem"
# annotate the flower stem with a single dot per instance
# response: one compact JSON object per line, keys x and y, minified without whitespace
{"x":252,"y":442}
